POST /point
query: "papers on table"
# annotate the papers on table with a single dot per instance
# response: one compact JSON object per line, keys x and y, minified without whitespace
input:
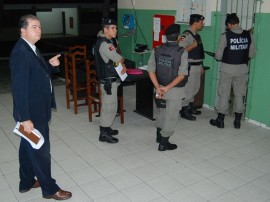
{"x":119,"y":69}
{"x":35,"y":138}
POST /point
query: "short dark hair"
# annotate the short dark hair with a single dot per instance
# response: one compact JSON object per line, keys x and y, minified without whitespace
{"x":232,"y":19}
{"x":24,"y":20}
{"x":172,"y":37}
{"x":172,"y":32}
{"x":105,"y":26}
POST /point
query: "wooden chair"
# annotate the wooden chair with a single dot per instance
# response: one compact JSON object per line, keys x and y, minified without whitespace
{"x":78,"y":48}
{"x":120,"y":98}
{"x":94,"y":94}
{"x":76,"y":84}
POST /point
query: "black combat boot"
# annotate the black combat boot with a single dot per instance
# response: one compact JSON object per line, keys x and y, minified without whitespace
{"x":112,"y":132}
{"x":166,"y":145}
{"x":193,"y":110}
{"x":219,"y":121}
{"x":185,"y":113}
{"x":105,"y":136}
{"x":158,"y":139}
{"x":237,"y":120}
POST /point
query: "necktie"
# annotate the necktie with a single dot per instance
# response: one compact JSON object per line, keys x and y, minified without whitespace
{"x":38,"y":53}
{"x":44,"y":66}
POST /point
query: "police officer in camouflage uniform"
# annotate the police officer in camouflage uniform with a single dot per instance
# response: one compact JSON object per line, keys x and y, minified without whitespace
{"x":168,"y":70}
{"x":235,"y":48}
{"x":106,"y":57}
{"x":192,"y":43}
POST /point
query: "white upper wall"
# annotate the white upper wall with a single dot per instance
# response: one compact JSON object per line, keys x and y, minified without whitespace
{"x":265,"y":7}
{"x":173,"y":4}
{"x":159,"y":4}
{"x":183,"y":8}
{"x":51,"y":22}
{"x":72,"y":13}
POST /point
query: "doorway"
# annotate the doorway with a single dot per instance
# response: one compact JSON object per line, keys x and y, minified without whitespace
{"x":246,"y":11}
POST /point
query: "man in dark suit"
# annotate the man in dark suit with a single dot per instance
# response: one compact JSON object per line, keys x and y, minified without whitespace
{"x":33,"y":98}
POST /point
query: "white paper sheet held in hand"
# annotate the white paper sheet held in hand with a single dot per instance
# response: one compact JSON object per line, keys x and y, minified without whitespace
{"x":119,"y":69}
{"x":35,"y":138}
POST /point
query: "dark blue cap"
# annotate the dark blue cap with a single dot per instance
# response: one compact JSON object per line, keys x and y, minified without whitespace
{"x":108,"y":21}
{"x":196,"y":17}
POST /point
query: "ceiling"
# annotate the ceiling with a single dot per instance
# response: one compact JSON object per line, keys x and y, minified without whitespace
{"x":48,"y":4}
{"x":55,"y":1}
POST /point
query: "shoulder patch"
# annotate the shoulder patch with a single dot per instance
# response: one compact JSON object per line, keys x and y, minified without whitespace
{"x":182,"y":38}
{"x":111,"y":48}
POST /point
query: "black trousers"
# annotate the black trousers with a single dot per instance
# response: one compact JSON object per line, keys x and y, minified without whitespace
{"x":37,"y":163}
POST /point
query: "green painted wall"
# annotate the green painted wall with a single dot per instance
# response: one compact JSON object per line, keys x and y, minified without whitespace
{"x":210,"y":36}
{"x":143,"y":30}
{"x":258,"y":99}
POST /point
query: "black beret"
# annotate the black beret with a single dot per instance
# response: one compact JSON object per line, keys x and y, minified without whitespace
{"x":108,"y":21}
{"x":173,"y":29}
{"x":196,"y":17}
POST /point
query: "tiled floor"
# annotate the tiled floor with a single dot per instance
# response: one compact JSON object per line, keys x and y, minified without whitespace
{"x":210,"y":164}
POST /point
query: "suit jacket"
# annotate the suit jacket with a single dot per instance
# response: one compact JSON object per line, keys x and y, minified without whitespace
{"x":32,"y":91}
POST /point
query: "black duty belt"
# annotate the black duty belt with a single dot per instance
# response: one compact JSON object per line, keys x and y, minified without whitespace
{"x":108,"y":79}
{"x":195,"y":63}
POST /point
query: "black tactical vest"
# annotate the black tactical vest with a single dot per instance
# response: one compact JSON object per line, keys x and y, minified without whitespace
{"x":104,"y":70}
{"x":237,"y":49}
{"x":168,"y":60}
{"x":198,"y":52}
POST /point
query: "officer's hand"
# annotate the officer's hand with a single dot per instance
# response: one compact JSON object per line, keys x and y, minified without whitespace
{"x":159,"y":93}
{"x":202,"y":71}
{"x":124,"y":70}
{"x":164,"y":89}
{"x":195,"y":44}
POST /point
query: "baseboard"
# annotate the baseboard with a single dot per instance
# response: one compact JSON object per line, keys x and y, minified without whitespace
{"x":257,"y":123}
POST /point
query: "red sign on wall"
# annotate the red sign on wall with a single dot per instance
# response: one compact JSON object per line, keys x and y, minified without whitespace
{"x":160,"y":24}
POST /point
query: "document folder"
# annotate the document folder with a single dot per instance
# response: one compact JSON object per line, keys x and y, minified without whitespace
{"x":35,"y":138}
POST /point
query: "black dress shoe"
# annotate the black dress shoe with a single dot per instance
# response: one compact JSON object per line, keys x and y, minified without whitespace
{"x":106,"y":137}
{"x":60,"y":195}
{"x":35,"y":185}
